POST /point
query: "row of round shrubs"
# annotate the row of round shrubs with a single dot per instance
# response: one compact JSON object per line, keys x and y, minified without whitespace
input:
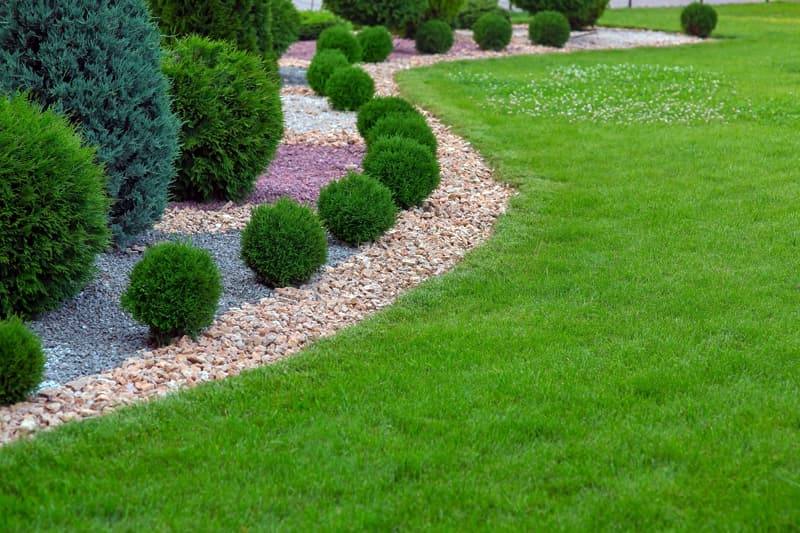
{"x":371,"y":45}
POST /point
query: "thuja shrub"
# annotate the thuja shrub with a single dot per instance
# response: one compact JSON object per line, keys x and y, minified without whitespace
{"x":579,"y":13}
{"x":21,"y":361}
{"x":348,"y":88}
{"x":492,"y":32}
{"x":475,"y":9}
{"x":377,"y":108}
{"x":356,"y":208}
{"x":97,"y":62}
{"x":406,"y":167}
{"x":284,"y":243}
{"x":323,"y":64}
{"x":53,"y":209}
{"x":434,"y":37}
{"x":393,"y":14}
{"x":342,"y":39}
{"x":230,"y":108}
{"x":174,"y":289}
{"x":408,"y":125}
{"x":285,"y":25}
{"x":376,"y":44}
{"x":698,"y":19}
{"x":312,"y":23}
{"x":549,"y":28}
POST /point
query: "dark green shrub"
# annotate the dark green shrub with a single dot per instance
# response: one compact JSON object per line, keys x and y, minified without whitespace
{"x":474,"y":9}
{"x":342,"y":39}
{"x":549,"y":28}
{"x":285,"y":25}
{"x":174,"y":289}
{"x":698,"y":19}
{"x":21,"y":361}
{"x":406,"y":167}
{"x":232,"y":120}
{"x":408,"y":125}
{"x":579,"y":13}
{"x":379,"y":107}
{"x":284,"y":243}
{"x":323,"y":64}
{"x":445,"y":10}
{"x":53,"y":209}
{"x":97,"y":61}
{"x":376,"y":44}
{"x":492,"y":32}
{"x":312,"y":23}
{"x":349,"y":88}
{"x":356,"y":208}
{"x":393,"y":14}
{"x":434,"y":37}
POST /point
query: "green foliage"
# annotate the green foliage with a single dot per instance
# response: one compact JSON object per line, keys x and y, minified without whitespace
{"x":97,"y":61}
{"x":174,"y":289}
{"x":285,"y":25}
{"x":492,"y":32}
{"x":408,"y":125}
{"x":21,"y":361}
{"x":379,"y":107}
{"x":474,"y":9}
{"x":406,"y":167}
{"x":342,"y":39}
{"x":284,"y":243}
{"x":579,"y":13}
{"x":445,"y":10}
{"x":232,"y":119}
{"x":312,"y":23}
{"x":698,"y":19}
{"x":434,"y":37}
{"x":549,"y":28}
{"x":53,"y":209}
{"x":376,"y":44}
{"x":349,"y":88}
{"x":323,"y":64}
{"x":393,"y":14}
{"x":356,"y":208}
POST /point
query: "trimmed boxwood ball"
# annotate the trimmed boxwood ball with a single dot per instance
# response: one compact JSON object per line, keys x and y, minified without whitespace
{"x":408,"y":125}
{"x":312,"y":23}
{"x":377,"y":108}
{"x":549,"y":28}
{"x":698,"y":19}
{"x":406,"y":167}
{"x":21,"y":361}
{"x":323,"y":64}
{"x":475,"y":9}
{"x":434,"y":37}
{"x":356,"y":208}
{"x":340,"y":38}
{"x":492,"y":32}
{"x":579,"y":13}
{"x":53,"y":209}
{"x":284,"y":243}
{"x":174,"y":289}
{"x":376,"y":44}
{"x":349,"y":88}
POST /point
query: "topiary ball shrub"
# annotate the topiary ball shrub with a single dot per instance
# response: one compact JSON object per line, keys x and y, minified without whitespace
{"x":408,"y":125}
{"x":356,"y":208}
{"x":475,"y":9}
{"x":434,"y":37}
{"x":349,"y":88}
{"x":53,"y":209}
{"x":323,"y":64}
{"x":377,"y":108}
{"x":312,"y":23}
{"x":376,"y":44}
{"x":285,"y":25}
{"x":174,"y":289}
{"x":232,"y":119}
{"x":342,"y":39}
{"x":549,"y":28}
{"x":579,"y":13}
{"x":492,"y":32}
{"x":21,"y":361}
{"x":284,"y":243}
{"x":698,"y":19}
{"x":406,"y":167}
{"x":393,"y":14}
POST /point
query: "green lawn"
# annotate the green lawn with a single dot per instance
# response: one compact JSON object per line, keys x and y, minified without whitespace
{"x":623,"y":354}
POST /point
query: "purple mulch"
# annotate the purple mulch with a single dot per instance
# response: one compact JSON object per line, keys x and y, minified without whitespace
{"x":403,"y":48}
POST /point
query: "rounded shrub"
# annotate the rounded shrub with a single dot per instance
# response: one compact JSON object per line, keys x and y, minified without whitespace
{"x":579,"y":13}
{"x":434,"y":37}
{"x":377,"y":108}
{"x":98,"y":62}
{"x":698,"y":19}
{"x":349,"y":88}
{"x":445,"y":10}
{"x":342,"y":39}
{"x":285,"y":25}
{"x":21,"y":361}
{"x":313,"y":22}
{"x":323,"y":64}
{"x":492,"y":32}
{"x":393,"y":14}
{"x":406,"y":167}
{"x":53,"y":209}
{"x":356,"y":208}
{"x":475,"y":9}
{"x":549,"y":28}
{"x":408,"y":125}
{"x":174,"y":289}
{"x":232,"y":119}
{"x":284,"y":243}
{"x":376,"y":44}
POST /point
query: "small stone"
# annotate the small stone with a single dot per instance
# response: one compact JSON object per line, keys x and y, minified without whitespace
{"x":28,"y":425}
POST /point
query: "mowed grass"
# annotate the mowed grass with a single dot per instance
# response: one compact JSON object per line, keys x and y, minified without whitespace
{"x":623,"y":354}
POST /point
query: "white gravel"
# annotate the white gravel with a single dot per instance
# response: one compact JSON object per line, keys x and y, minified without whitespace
{"x":302,"y":114}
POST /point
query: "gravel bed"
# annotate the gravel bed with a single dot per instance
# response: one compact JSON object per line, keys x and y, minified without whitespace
{"x":302,"y":114}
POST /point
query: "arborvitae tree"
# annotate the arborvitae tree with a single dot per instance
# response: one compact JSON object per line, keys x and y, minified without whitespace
{"x":394,"y":14}
{"x":98,"y":62}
